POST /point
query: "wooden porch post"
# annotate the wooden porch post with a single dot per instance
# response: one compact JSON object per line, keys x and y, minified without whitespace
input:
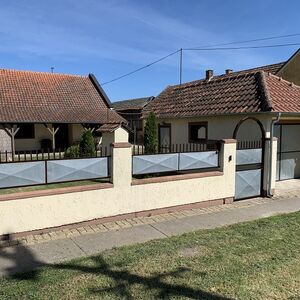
{"x":86,"y":128}
{"x":12,"y":131}
{"x":53,"y":132}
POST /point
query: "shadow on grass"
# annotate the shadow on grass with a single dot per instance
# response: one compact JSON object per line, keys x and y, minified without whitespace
{"x":24,"y":260}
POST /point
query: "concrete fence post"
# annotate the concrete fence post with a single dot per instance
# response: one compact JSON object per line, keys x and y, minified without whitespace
{"x":267,"y":167}
{"x":227,"y":164}
{"x":274,"y":165}
{"x":121,"y":156}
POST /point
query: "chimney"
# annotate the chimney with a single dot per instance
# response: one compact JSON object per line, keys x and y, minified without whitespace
{"x":228,"y":71}
{"x":209,"y":74}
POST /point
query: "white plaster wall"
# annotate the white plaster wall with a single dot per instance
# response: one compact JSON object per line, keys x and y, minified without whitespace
{"x":48,"y":211}
{"x":219,"y":127}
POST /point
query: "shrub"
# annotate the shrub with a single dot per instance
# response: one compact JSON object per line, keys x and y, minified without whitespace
{"x":72,"y":152}
{"x":150,"y":134}
{"x":87,"y":145}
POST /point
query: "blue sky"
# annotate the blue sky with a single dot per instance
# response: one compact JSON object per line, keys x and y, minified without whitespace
{"x":110,"y":38}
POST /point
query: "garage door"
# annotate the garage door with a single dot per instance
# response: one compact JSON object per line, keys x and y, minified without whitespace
{"x":288,"y":151}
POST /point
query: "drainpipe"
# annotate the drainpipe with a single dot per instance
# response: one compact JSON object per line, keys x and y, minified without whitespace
{"x":269,"y":192}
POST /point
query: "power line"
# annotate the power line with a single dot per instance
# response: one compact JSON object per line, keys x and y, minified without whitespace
{"x":250,"y":41}
{"x":242,"y":48}
{"x":141,"y":68}
{"x":212,"y":48}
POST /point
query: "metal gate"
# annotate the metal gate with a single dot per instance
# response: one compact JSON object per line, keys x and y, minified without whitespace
{"x":249,"y":169}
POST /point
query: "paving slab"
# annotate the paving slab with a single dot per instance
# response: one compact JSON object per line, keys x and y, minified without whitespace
{"x":24,"y":258}
{"x":95,"y":243}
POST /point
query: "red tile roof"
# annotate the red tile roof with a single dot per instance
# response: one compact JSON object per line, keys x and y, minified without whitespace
{"x":222,"y":95}
{"x":27,"y":96}
{"x":284,"y":95}
{"x":247,"y":91}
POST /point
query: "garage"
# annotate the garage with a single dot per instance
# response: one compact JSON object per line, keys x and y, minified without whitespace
{"x":288,"y":151}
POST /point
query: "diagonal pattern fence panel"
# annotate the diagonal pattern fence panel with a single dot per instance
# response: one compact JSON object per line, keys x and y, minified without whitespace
{"x":247,"y":183}
{"x":77,"y":169}
{"x":248,"y":156}
{"x":198,"y":160}
{"x":22,"y":174}
{"x":170,"y":162}
{"x":249,"y":170}
{"x":156,"y":163}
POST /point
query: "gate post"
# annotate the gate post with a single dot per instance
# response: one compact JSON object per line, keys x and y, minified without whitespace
{"x":268,"y":168}
{"x":269,"y":179}
{"x":227,"y":164}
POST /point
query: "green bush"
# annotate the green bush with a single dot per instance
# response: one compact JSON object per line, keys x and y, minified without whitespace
{"x":87,"y":144}
{"x":72,"y":152}
{"x":150,"y":134}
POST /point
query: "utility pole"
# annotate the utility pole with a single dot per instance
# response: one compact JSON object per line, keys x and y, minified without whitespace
{"x":180,"y":67}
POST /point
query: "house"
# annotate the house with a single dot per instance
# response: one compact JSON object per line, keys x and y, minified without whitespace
{"x":250,"y":105}
{"x":45,"y":110}
{"x":131,"y":110}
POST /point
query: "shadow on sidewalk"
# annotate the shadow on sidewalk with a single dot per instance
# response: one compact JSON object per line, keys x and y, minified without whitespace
{"x":23,"y":261}
{"x":161,"y":284}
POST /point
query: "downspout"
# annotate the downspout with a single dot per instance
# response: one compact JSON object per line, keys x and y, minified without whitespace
{"x":269,"y":192}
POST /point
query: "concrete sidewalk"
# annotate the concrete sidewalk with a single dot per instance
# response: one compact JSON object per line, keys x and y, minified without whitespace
{"x":22,"y":258}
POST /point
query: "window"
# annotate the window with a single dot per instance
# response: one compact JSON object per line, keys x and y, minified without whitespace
{"x":197,"y":132}
{"x":26,"y":131}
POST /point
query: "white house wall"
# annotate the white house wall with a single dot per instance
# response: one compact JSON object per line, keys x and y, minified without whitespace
{"x":220,"y":127}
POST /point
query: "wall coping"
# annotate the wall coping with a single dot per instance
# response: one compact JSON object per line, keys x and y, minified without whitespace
{"x":56,"y":191}
{"x":171,"y":178}
{"x":229,"y":141}
{"x":121,"y":145}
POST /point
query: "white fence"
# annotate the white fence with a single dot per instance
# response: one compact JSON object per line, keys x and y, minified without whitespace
{"x":51,"y":171}
{"x":170,"y":162}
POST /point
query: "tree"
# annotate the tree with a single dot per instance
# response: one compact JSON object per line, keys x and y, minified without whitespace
{"x":150,"y":134}
{"x":87,"y":145}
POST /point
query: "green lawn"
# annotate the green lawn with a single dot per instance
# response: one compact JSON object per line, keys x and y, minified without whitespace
{"x":254,"y":260}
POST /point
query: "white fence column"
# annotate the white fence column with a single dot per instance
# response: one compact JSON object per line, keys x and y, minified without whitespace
{"x":227,"y":164}
{"x":121,"y":156}
{"x":274,"y":165}
{"x":267,"y":166}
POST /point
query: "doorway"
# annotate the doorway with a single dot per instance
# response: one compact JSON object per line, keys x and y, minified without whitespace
{"x":164,"y":137}
{"x":62,"y":136}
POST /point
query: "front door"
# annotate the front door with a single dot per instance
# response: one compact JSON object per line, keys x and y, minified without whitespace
{"x":164,"y":137}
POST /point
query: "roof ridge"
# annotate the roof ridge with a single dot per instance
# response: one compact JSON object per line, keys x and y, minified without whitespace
{"x":43,"y":72}
{"x":213,"y":80}
{"x":264,"y":87}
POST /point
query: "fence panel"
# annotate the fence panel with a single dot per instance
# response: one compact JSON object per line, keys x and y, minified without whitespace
{"x":77,"y":169}
{"x":198,"y":160}
{"x":248,"y":156}
{"x":156,"y":163}
{"x":247,"y":183}
{"x":22,"y":174}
